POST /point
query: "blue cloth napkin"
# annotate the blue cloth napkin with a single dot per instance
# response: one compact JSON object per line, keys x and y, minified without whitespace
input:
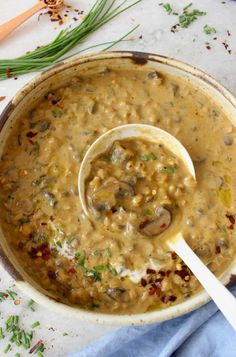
{"x":202,"y":333}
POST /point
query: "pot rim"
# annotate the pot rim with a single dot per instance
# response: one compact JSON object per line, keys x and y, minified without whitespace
{"x":182,"y":308}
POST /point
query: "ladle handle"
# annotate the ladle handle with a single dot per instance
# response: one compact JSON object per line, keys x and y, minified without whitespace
{"x":11,"y":25}
{"x":225,"y":301}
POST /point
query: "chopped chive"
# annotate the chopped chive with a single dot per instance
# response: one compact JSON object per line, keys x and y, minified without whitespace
{"x":30,"y":304}
{"x":24,"y":219}
{"x":40,"y":348}
{"x":109,"y":253}
{"x":147,"y":212}
{"x":153,"y":156}
{"x":17,"y":354}
{"x":65,"y":334}
{"x":208,"y":30}
{"x":144,"y":157}
{"x":11,"y":294}
{"x":57,"y":113}
{"x":58,"y":243}
{"x":1,"y":334}
{"x":111,"y":270}
{"x":35,"y":324}
{"x":187,"y":6}
{"x":7,"y":348}
{"x":39,"y":354}
{"x":169,"y":169}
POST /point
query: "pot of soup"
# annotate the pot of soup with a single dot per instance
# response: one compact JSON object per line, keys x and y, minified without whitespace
{"x":114,"y":265}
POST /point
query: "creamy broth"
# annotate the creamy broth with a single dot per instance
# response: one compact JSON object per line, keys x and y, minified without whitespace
{"x":100,"y":267}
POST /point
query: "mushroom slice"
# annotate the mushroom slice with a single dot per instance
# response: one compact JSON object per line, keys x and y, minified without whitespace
{"x":115,"y":293}
{"x":106,"y":197}
{"x":156,"y":226}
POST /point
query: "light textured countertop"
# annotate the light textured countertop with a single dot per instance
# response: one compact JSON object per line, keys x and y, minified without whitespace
{"x":188,"y":45}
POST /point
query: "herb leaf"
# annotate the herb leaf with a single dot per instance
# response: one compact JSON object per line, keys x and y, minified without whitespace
{"x":208,"y":30}
{"x":169,"y":169}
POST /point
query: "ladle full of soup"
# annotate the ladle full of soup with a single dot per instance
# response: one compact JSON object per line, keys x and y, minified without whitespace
{"x":129,"y":159}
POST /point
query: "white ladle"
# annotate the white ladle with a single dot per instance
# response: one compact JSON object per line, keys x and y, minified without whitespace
{"x":225,"y":301}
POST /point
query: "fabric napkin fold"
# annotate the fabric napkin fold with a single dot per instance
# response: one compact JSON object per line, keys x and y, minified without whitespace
{"x":201,"y":333}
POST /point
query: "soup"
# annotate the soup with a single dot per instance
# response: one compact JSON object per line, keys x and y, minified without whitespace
{"x":111,"y":262}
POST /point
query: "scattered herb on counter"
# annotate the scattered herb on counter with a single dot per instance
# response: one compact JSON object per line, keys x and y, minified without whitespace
{"x":101,"y":13}
{"x":188,"y":17}
{"x":167,"y":7}
{"x":209,"y":30}
{"x":31,"y":304}
{"x":35,"y":324}
{"x":7,"y":348}
{"x":8,"y":293}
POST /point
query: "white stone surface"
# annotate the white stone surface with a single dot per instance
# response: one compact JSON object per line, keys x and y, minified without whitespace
{"x":188,"y":45}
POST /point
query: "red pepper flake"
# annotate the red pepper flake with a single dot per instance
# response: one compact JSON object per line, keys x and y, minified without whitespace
{"x":172,"y":298}
{"x":31,"y":134}
{"x":168,"y":273}
{"x":71,"y":270}
{"x":5,"y":296}
{"x":42,"y":251}
{"x":35,"y":346}
{"x":208,"y":47}
{"x":151,"y":291}
{"x":165,"y":299}
{"x":31,"y":142}
{"x":143,"y":282}
{"x":163,"y":225}
{"x":140,"y":37}
{"x":144,"y":223}
{"x":232,"y":221}
{"x":225,"y":45}
{"x":184,"y":274}
{"x":215,"y":38}
{"x":162,"y":273}
{"x":217,"y":250}
{"x":51,"y":218}
{"x":173,"y":255}
{"x":150,"y":271}
{"x":228,"y":33}
{"x":2,"y":98}
{"x":52,"y":274}
{"x":43,"y":223}
{"x":20,"y":245}
{"x":75,"y":19}
{"x":229,"y":52}
{"x":158,"y":291}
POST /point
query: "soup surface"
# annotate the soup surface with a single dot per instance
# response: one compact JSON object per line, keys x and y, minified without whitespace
{"x":106,"y":264}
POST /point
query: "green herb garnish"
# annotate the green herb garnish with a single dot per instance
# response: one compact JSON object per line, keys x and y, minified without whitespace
{"x":30,"y":304}
{"x":11,"y":294}
{"x":144,"y":157}
{"x":58,"y":243}
{"x":101,"y":13}
{"x":188,"y":17}
{"x":208,"y":30}
{"x":65,"y":334}
{"x":167,"y":7}
{"x":147,"y":212}
{"x":1,"y":334}
{"x":96,"y":275}
{"x":97,"y":253}
{"x":24,"y":219}
{"x":147,"y":157}
{"x":169,"y":169}
{"x":111,"y":270}
{"x":109,"y":253}
{"x":153,"y":156}
{"x":57,"y":113}
{"x":7,"y":348}
{"x":35,"y":324}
